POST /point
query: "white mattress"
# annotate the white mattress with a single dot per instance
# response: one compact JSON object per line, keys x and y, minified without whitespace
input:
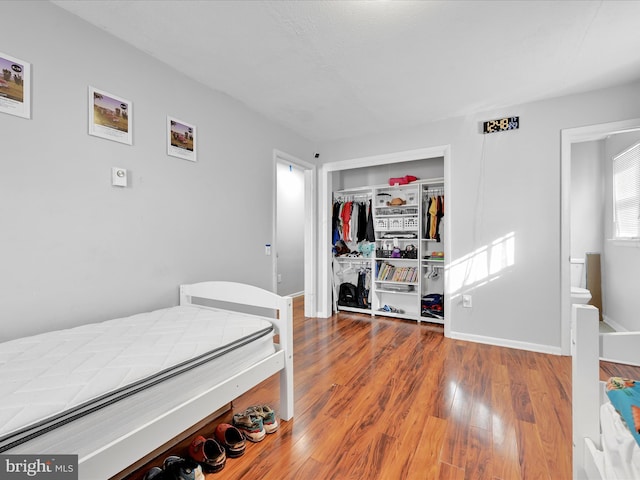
{"x":46,"y":375}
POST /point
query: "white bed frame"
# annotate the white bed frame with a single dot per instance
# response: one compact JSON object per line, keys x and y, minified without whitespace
{"x":116,"y":456}
{"x":588,"y":393}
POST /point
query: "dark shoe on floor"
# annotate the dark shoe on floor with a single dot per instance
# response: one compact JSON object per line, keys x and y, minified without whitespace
{"x":231,"y":439}
{"x":208,"y":453}
{"x":178,"y":468}
{"x":156,"y":473}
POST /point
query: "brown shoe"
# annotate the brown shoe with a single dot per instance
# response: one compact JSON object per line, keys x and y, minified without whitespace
{"x":231,"y":439}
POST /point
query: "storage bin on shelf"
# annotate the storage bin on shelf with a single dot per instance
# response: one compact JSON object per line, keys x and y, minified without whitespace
{"x":411,"y":223}
{"x":395,"y":223}
{"x":410,"y":251}
{"x":382,"y":224}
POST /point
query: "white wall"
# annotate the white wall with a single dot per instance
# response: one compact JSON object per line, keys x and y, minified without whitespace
{"x":290,"y":228}
{"x":622,"y":261}
{"x":504,"y":185}
{"x":587,"y":198}
{"x":74,"y":248}
{"x":380,"y":174}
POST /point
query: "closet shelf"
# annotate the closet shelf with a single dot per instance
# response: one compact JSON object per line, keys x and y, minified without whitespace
{"x":395,"y":292}
{"x":398,"y":235}
{"x":396,"y":283}
{"x":432,"y":264}
{"x":392,"y":259}
{"x":406,"y":205}
{"x":386,"y":215}
{"x":405,"y":316}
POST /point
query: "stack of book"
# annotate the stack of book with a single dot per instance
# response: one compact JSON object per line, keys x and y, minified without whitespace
{"x":391,"y":273}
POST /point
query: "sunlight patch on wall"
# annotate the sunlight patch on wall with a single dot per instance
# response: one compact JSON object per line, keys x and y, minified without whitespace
{"x":482,"y":266}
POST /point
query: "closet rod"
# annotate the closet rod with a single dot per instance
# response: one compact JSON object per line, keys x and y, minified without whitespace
{"x":354,"y":259}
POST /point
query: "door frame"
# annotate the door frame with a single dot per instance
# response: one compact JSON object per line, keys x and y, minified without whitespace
{"x":568,"y":137}
{"x":310,"y":222}
{"x":325,"y":188}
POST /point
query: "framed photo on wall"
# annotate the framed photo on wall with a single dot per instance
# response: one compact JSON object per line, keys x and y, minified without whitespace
{"x":15,"y":86}
{"x":181,"y":139}
{"x":110,"y":116}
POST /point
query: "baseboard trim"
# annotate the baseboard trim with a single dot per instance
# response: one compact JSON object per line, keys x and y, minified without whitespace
{"x":616,"y":326}
{"x":501,"y":342}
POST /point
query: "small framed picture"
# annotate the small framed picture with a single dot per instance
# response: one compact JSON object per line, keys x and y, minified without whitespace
{"x":15,"y":86}
{"x":110,"y":116}
{"x":181,"y":139}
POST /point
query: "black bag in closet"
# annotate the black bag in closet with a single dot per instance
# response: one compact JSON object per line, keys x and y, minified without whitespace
{"x":347,"y":296}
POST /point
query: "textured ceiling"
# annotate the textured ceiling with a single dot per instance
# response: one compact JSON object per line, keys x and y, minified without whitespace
{"x":339,"y":69}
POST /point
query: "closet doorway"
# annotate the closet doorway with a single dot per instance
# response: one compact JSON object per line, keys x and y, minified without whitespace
{"x":569,"y":138}
{"x":294,"y":222}
{"x":326,"y":188}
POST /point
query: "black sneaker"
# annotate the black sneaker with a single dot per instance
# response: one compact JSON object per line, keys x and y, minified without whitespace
{"x":156,"y":473}
{"x":178,"y":468}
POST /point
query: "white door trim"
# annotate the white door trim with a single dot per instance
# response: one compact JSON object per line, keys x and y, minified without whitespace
{"x":568,"y":137}
{"x":310,"y":222}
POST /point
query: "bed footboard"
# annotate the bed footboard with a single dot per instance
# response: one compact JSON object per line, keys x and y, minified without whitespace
{"x":585,"y":386}
{"x":242,"y":294}
{"x":588,"y":346}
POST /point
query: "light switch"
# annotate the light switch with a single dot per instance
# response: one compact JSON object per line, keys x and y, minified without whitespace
{"x":118,"y":177}
{"x":466,"y":301}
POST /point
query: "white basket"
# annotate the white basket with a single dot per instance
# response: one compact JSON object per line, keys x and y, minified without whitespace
{"x":411,"y":223}
{"x":396,"y":223}
{"x":382,"y":224}
{"x":382,"y":199}
{"x":411,"y":197}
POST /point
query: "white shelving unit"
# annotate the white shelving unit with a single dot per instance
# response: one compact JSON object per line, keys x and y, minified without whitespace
{"x":402,"y":270}
{"x":432,"y":269}
{"x":396,"y":214}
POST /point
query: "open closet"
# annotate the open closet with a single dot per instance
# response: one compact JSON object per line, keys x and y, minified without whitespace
{"x":388,"y":247}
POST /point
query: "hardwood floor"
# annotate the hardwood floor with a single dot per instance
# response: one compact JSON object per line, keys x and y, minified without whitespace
{"x":388,"y":399}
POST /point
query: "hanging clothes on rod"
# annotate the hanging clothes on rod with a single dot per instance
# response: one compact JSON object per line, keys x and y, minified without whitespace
{"x":345,"y":216}
{"x":434,"y":212}
{"x":363,"y":287}
{"x":352,"y":220}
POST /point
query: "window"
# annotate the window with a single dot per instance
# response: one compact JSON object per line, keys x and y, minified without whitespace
{"x":626,"y":194}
